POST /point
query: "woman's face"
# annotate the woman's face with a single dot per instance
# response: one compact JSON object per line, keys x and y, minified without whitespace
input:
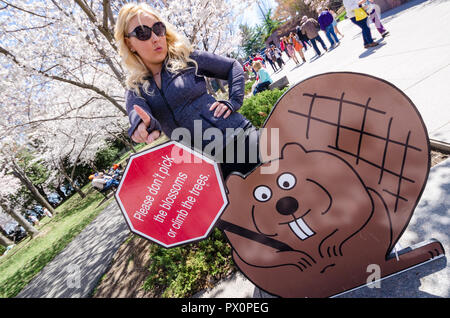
{"x":152,"y":51}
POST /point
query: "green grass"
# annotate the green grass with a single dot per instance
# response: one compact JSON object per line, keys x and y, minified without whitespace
{"x":178,"y":272}
{"x":248,"y":86}
{"x":341,"y":16}
{"x":27,"y":258}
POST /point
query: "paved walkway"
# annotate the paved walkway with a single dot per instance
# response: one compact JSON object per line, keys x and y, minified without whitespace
{"x":77,"y":269}
{"x":415,"y":58}
{"x":431,"y":219}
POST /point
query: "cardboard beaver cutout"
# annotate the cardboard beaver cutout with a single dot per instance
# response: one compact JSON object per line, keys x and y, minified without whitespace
{"x":336,"y":192}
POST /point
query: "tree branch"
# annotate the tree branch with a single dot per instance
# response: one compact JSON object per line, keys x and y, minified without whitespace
{"x":91,"y":16}
{"x":21,"y":9}
{"x":30,"y":28}
{"x":68,"y":81}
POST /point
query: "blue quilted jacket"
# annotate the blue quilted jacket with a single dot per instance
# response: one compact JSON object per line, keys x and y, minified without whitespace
{"x":183,"y":98}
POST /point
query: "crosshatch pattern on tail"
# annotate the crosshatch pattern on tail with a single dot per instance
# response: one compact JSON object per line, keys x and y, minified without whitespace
{"x":353,"y":159}
{"x":360,"y":132}
{"x":367,"y":122}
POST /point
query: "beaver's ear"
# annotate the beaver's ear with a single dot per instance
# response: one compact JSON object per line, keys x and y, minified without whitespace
{"x":233,"y":181}
{"x":292,"y":149}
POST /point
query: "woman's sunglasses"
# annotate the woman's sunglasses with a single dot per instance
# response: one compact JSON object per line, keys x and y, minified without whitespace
{"x":143,"y":32}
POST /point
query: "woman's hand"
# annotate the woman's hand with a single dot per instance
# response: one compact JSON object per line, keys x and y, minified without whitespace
{"x":140,"y":133}
{"x":219,"y":109}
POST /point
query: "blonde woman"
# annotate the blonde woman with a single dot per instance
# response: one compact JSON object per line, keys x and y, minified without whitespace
{"x":166,"y":89}
{"x":264,"y":79}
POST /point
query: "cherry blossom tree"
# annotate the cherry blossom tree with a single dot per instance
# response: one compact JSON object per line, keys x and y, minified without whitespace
{"x":62,"y":80}
{"x":9,"y":185}
{"x":288,"y":9}
{"x":4,"y":241}
{"x":9,"y":156}
{"x":208,"y":25}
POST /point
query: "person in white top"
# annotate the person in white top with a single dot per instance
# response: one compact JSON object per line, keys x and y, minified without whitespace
{"x":350,"y":6}
{"x":373,"y":10}
{"x":103,"y":182}
{"x":48,"y":213}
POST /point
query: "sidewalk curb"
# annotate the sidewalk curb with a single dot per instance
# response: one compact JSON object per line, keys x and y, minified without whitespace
{"x":440,"y":146}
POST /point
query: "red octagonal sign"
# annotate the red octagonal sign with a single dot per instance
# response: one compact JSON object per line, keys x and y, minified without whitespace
{"x":171,"y":195}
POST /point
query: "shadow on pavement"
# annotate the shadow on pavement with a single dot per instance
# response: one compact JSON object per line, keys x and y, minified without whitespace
{"x":391,"y":14}
{"x":404,"y":285}
{"x":76,"y":270}
{"x":368,"y":52}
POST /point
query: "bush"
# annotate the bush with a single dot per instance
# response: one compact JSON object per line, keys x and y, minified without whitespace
{"x":183,"y":271}
{"x":256,"y":108}
{"x":106,"y":156}
{"x":248,"y":86}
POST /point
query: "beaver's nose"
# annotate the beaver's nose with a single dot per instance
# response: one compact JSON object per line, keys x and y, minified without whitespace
{"x":287,"y":205}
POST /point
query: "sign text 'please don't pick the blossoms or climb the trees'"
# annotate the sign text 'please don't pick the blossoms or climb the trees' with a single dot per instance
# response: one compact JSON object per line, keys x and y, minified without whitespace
{"x":168,"y":200}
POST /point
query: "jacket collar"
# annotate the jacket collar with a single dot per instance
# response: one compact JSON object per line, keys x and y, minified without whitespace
{"x":163,"y":69}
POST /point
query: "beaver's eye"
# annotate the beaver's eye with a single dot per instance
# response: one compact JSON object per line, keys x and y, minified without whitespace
{"x":262,"y":193}
{"x":286,"y":181}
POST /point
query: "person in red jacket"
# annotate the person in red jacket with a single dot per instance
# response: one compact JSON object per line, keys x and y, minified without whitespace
{"x":258,"y":57}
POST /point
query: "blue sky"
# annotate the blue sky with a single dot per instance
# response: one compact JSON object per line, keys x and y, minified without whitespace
{"x":252,"y":15}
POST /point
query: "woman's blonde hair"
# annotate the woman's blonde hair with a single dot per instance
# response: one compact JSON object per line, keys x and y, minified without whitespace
{"x":178,"y":48}
{"x":257,"y":65}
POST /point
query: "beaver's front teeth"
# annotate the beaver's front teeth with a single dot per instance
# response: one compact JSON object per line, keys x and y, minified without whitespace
{"x":301,"y":229}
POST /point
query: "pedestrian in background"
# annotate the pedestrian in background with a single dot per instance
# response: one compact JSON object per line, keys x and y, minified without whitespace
{"x":271,"y":59}
{"x":302,"y":38}
{"x":283,"y":45}
{"x":258,"y":57}
{"x":277,"y":53}
{"x":310,"y":27}
{"x":34,"y":220}
{"x":297,"y":46}
{"x":373,"y":10}
{"x":48,"y":213}
{"x":350,"y":7}
{"x":336,"y":30}
{"x":264,"y":79}
{"x":325,"y":20}
{"x":291,"y":49}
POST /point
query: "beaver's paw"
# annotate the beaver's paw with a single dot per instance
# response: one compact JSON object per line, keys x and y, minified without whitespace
{"x":331,"y":245}
{"x":297,"y":258}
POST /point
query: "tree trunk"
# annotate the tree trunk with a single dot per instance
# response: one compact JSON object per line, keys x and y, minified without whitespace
{"x":18,"y":173}
{"x":221,"y":86}
{"x":60,"y":193}
{"x":4,"y":241}
{"x":92,"y":165}
{"x":209,"y":87}
{"x":71,"y":181}
{"x":21,"y":220}
{"x":41,"y":191}
{"x":128,"y":144}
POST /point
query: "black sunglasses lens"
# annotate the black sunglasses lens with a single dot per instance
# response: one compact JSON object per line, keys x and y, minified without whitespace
{"x":159,"y":28}
{"x":143,"y":33}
